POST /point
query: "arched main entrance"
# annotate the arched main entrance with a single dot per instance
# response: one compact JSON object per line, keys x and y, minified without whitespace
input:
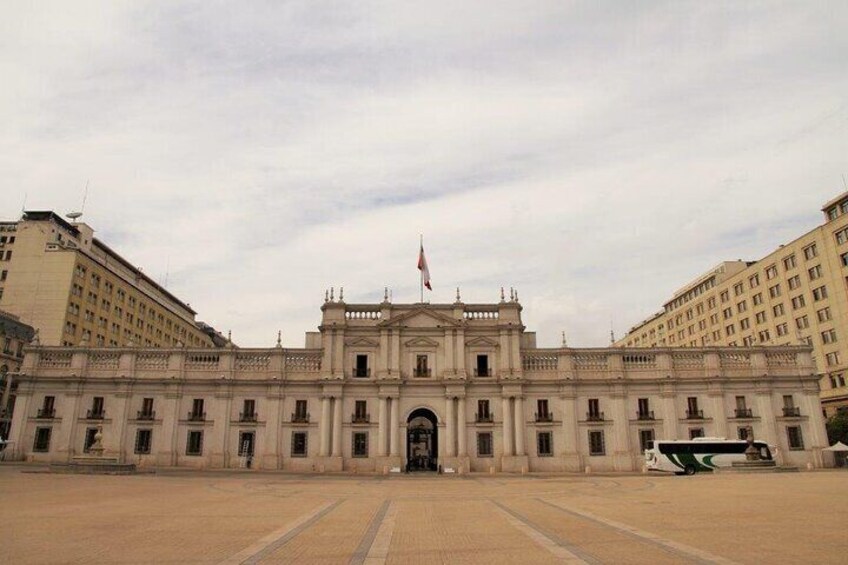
{"x":422,"y":441}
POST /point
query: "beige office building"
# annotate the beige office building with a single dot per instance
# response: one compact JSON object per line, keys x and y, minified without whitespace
{"x":383,"y":387}
{"x":72,"y":288}
{"x":796,"y":294}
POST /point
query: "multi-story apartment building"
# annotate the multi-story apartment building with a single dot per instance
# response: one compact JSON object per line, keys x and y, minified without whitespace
{"x":796,"y":294}
{"x":74,"y":290}
{"x":417,"y":386}
{"x":14,"y":335}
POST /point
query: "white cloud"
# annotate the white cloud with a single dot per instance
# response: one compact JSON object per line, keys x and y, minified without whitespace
{"x":595,"y":158}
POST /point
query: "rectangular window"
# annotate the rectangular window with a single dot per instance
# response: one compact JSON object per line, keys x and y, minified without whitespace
{"x":482,"y":369}
{"x":796,"y":441}
{"x":143,"y":440}
{"x":594,"y":409}
{"x":197,"y":412}
{"x":245,"y":445}
{"x":194,"y":445}
{"x":725,"y":296}
{"x":42,"y":440}
{"x":646,"y":440}
{"x":794,"y":282}
{"x":811,"y":252}
{"x":745,"y":324}
{"x":782,"y":329}
{"x":760,"y":317}
{"x":248,"y":410}
{"x":819,"y":293}
{"x":421,"y":367}
{"x":754,"y":280}
{"x":484,"y":444}
{"x":360,"y":444}
{"x":758,"y":299}
{"x":832,"y":359}
{"x":778,"y":310}
{"x":815,"y":272}
{"x":298,"y":448}
{"x":544,"y":444}
{"x":483,"y":414}
{"x":360,"y":411}
{"x":696,"y":433}
{"x":824,"y":314}
{"x":771,"y":271}
{"x":798,"y":302}
{"x":596,"y":443}
{"x":89,"y":439}
{"x":742,"y":432}
{"x":765,"y":336}
{"x":738,"y":289}
{"x":774,"y":291}
{"x":842,"y":236}
{"x":727,"y":313}
{"x":844,"y":258}
{"x":542,"y":411}
{"x":300,"y":410}
{"x":802,"y":323}
{"x":730,"y":330}
{"x":789,"y":262}
{"x":361,"y":370}
{"x":828,"y":336}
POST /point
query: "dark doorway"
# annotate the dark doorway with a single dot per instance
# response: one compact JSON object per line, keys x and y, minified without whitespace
{"x":246,"y":447}
{"x":422,"y":441}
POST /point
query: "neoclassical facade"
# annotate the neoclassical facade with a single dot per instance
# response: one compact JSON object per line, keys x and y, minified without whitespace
{"x":386,"y":387}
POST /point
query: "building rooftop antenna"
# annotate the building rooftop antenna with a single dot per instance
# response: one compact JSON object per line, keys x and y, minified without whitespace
{"x":74,"y":216}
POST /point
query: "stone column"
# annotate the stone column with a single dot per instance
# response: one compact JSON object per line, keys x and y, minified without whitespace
{"x":170,"y":424}
{"x":449,"y":428}
{"x":383,"y":353}
{"x":519,"y":425}
{"x":449,"y":360}
{"x":570,"y":441}
{"x":507,"y":426}
{"x":621,"y":432}
{"x":4,"y":402}
{"x":719,"y":415}
{"x":669,"y":415}
{"x":462,"y":442}
{"x":324,"y":427}
{"x":393,"y":431}
{"x":764,"y":403}
{"x":811,"y":407}
{"x":68,"y":409}
{"x":459,"y":351}
{"x":383,"y":424}
{"x":337,"y":427}
{"x":273,"y":421}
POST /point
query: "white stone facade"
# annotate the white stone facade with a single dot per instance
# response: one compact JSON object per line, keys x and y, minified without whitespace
{"x":348,"y":401}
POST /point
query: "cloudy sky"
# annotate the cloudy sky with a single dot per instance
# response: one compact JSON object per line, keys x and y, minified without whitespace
{"x":594,"y":157}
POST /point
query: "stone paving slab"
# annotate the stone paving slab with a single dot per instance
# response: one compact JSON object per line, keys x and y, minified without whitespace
{"x":370,"y":520}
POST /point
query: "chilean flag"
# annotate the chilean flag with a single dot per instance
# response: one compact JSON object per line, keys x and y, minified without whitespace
{"x":425,"y":271}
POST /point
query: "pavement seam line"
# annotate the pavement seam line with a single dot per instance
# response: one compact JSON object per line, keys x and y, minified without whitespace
{"x":557,"y":547}
{"x":276,"y":539}
{"x":379,"y":550}
{"x":364,"y":547}
{"x":672,"y":546}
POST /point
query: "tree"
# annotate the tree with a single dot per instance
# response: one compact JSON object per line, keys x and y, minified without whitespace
{"x":837,"y":427}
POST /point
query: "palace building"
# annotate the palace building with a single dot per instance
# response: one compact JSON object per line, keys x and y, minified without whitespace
{"x":796,"y":294}
{"x":388,"y":387}
{"x":74,"y":290}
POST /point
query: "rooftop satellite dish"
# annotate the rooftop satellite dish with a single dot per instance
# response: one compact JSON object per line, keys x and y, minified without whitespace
{"x":73,"y":215}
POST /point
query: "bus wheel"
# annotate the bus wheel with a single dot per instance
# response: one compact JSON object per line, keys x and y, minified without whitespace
{"x":689,"y":470}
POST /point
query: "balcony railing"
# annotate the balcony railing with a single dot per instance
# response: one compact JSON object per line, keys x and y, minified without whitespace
{"x":421,"y":373}
{"x":645,"y":415}
{"x":791,"y":412}
{"x":743,"y":413}
{"x":142,"y":415}
{"x":484,"y":418}
{"x":594,"y":416}
{"x":247,"y":416}
{"x":694,"y":414}
{"x":197,"y":416}
{"x":95,"y":415}
{"x":46,"y":413}
{"x":360,"y":373}
{"x":544,"y":416}
{"x":300,"y":418}
{"x":360,"y":418}
{"x":480,"y":372}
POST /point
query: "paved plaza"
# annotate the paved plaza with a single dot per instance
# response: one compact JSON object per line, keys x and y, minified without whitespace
{"x":184,"y":517}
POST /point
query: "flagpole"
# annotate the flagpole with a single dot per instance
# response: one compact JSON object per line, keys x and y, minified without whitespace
{"x":421,"y":250}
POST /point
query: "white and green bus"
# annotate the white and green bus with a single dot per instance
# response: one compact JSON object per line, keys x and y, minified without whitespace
{"x":700,"y":454}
